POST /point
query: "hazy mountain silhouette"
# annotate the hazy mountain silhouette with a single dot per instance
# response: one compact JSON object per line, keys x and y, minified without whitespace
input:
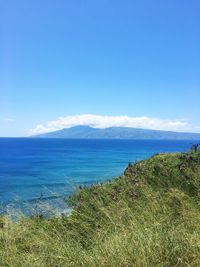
{"x":87,"y":132}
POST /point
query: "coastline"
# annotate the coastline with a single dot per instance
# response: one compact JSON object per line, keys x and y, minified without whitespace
{"x":153,"y":205}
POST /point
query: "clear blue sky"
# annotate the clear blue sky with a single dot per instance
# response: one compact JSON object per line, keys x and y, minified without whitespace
{"x":106,"y":57}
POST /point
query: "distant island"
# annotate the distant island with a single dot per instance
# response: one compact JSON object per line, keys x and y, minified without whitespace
{"x":87,"y":132}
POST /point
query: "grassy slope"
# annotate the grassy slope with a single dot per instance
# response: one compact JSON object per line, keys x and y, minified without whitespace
{"x":150,"y":216}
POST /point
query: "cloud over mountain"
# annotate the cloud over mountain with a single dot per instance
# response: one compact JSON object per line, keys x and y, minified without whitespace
{"x":98,"y":121}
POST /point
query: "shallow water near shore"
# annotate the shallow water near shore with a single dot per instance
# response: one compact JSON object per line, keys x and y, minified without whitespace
{"x":48,"y":170}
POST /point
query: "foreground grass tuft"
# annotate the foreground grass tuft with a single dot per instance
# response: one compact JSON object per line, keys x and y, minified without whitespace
{"x":150,"y":216}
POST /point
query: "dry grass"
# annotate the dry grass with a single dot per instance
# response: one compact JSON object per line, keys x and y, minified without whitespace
{"x":148,"y":217}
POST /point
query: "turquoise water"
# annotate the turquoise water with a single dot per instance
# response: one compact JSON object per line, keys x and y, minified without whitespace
{"x":46,"y":169}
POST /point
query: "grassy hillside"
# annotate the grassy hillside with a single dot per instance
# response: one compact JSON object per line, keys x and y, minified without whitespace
{"x":150,"y":216}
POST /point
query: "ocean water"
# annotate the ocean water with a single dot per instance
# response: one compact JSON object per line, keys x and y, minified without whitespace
{"x":47,"y":170}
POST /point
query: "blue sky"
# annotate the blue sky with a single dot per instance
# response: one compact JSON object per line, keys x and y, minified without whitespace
{"x":103,"y":57}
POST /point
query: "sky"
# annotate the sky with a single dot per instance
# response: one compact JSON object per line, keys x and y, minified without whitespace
{"x":101,"y":63}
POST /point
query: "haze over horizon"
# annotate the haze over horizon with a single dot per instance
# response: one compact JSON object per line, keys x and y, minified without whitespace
{"x":101,"y":63}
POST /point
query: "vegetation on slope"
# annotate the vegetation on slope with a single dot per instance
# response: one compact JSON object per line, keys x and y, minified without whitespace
{"x":150,"y":216}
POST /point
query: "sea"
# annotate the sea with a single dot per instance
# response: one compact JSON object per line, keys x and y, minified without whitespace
{"x":38,"y":175}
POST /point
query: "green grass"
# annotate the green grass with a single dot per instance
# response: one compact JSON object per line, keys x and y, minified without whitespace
{"x":150,"y":216}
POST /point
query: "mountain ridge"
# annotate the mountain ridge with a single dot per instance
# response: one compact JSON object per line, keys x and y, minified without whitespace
{"x":88,"y":132}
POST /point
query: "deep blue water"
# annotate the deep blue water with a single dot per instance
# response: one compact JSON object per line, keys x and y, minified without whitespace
{"x":45,"y":168}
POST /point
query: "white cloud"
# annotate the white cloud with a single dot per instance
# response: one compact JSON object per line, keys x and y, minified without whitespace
{"x":98,"y":121}
{"x":8,"y":119}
